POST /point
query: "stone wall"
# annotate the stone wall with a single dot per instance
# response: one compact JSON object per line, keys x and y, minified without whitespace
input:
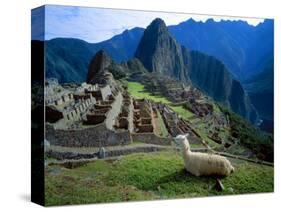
{"x":105,"y":92}
{"x":151,"y":138}
{"x":108,"y":153}
{"x":89,"y":137}
{"x":114,"y":112}
{"x":130,"y":117}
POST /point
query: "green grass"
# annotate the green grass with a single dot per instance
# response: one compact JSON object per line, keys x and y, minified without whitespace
{"x":138,"y":91}
{"x":184,"y":113}
{"x":146,"y":177}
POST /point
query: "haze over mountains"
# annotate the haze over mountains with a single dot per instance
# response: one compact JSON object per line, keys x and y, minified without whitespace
{"x":242,"y":49}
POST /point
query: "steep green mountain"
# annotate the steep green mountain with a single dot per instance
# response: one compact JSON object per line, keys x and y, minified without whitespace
{"x":160,"y":53}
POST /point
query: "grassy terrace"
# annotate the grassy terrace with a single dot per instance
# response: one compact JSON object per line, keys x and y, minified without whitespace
{"x":146,"y":177}
{"x":186,"y":114}
{"x":137,"y":90}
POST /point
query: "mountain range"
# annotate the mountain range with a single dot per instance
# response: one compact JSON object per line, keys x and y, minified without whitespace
{"x":242,"y":49}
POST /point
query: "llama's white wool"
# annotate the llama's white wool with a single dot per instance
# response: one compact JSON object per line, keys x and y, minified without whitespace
{"x":199,"y":163}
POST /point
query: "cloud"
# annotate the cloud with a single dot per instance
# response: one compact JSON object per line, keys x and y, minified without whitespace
{"x":98,"y":24}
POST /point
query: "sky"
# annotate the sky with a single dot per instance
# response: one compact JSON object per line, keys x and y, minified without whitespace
{"x":97,"y":24}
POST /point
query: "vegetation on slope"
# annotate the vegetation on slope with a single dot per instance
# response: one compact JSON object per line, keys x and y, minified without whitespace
{"x":253,"y":138}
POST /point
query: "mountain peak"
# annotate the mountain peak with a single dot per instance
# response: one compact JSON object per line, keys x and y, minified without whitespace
{"x":98,"y":66}
{"x":159,"y":52}
{"x":102,"y":54}
{"x":191,"y":20}
{"x":210,"y":20}
{"x":158,"y":21}
{"x":157,"y":26}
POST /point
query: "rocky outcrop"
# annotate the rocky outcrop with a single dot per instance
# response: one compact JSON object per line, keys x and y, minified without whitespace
{"x":160,"y":53}
{"x":98,"y":68}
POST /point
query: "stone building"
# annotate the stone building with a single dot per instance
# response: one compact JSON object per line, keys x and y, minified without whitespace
{"x":143,"y":116}
{"x":64,"y":107}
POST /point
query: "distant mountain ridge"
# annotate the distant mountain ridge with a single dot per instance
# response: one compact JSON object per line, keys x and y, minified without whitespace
{"x":232,"y":42}
{"x":240,"y":46}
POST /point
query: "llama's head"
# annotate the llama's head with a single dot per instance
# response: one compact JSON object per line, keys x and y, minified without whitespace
{"x":182,"y":141}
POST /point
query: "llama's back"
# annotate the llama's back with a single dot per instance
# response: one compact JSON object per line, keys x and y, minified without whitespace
{"x":207,"y":164}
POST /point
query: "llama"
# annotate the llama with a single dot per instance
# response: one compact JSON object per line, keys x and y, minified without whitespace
{"x":199,"y":164}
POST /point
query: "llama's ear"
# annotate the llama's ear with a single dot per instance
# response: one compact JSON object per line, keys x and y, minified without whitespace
{"x":186,"y":135}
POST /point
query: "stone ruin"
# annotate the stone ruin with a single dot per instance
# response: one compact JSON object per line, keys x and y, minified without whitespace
{"x":92,"y":109}
{"x":98,"y":112}
{"x":125,"y":118}
{"x":143,"y":116}
{"x":164,"y":85}
{"x":94,"y":115}
{"x":175,"y":124}
{"x":172,"y":121}
{"x":200,"y":109}
{"x":64,"y":107}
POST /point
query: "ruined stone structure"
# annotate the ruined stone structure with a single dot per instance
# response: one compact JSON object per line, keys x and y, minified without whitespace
{"x":175,"y":124}
{"x":200,"y":109}
{"x":64,"y":107}
{"x":87,"y":114}
{"x":125,"y":117}
{"x":93,"y":115}
{"x":95,"y":136}
{"x":143,"y":116}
